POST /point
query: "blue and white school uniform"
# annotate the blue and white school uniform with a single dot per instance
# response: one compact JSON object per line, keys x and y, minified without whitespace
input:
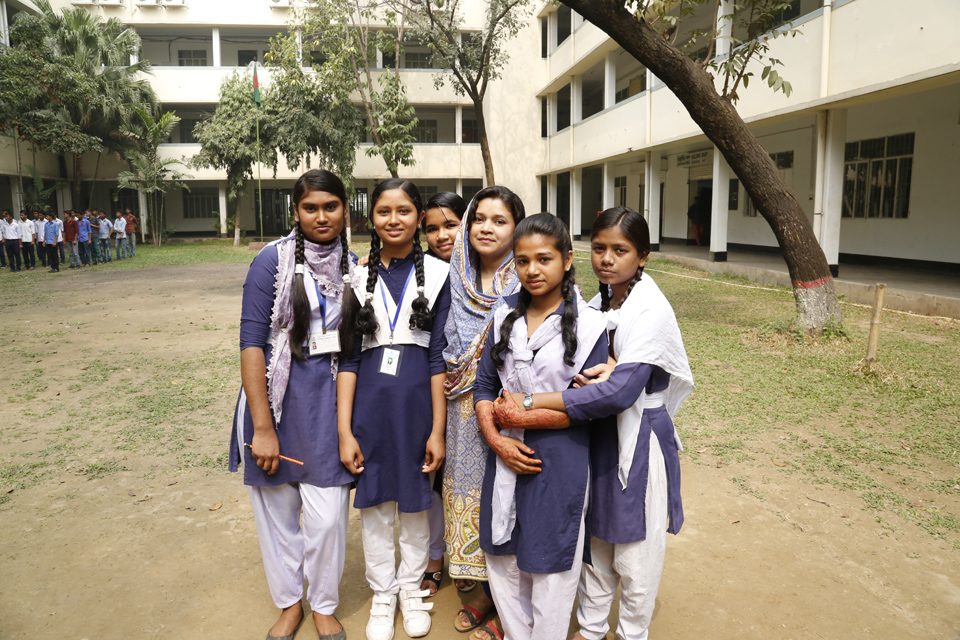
{"x":308,"y":433}
{"x":635,"y":493}
{"x":393,"y":418}
{"x":532,"y":526}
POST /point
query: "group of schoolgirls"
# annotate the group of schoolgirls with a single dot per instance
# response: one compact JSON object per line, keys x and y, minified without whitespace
{"x":343,"y":385}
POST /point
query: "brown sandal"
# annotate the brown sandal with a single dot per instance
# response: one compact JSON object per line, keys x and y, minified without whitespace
{"x":490,"y":628}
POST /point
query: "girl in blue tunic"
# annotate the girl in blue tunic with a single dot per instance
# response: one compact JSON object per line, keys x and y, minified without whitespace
{"x":392,"y":409}
{"x":635,"y":490}
{"x":295,"y":295}
{"x":532,"y":509}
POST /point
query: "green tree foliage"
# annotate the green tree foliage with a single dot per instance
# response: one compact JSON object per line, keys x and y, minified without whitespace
{"x":150,"y":174}
{"x":102,"y":51}
{"x":39,"y":88}
{"x":228,"y":140}
{"x":304,"y":119}
{"x":342,"y":38}
{"x":474,"y":59}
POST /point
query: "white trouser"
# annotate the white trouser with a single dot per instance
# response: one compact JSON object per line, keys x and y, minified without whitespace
{"x":379,"y":553}
{"x":317,"y":550}
{"x":535,"y":606}
{"x":437,"y":543}
{"x":637,"y":566}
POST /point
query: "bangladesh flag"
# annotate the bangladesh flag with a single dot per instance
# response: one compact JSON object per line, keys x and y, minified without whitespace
{"x":256,"y":87}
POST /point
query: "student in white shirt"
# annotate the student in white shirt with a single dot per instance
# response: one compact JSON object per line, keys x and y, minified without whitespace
{"x":120,"y":234}
{"x":11,"y":240}
{"x":27,"y":234}
{"x":39,"y":224}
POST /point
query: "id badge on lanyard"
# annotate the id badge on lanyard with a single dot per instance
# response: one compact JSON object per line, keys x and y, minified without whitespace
{"x":325,"y":342}
{"x":391,"y":355}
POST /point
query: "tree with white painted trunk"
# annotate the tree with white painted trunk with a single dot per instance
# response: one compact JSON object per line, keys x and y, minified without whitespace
{"x":650,"y":34}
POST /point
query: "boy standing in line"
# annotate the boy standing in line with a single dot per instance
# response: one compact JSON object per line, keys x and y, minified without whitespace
{"x":38,"y":224}
{"x":105,"y":230}
{"x":131,"y":233}
{"x":70,"y":232}
{"x":83,"y":238}
{"x":50,"y":234}
{"x":63,"y":257}
{"x":27,"y":235}
{"x":120,"y":234}
{"x":11,"y":240}
{"x":94,"y":235}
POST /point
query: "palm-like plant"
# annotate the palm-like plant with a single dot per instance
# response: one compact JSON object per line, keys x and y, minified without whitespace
{"x":103,"y":50}
{"x":150,"y":174}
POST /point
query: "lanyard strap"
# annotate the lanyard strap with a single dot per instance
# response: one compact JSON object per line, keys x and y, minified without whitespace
{"x":322,"y":303}
{"x":396,"y":316}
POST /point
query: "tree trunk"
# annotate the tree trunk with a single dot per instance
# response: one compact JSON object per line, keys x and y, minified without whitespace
{"x":236,"y":225}
{"x":93,"y":186}
{"x":484,"y":143}
{"x":16,"y":139}
{"x":77,"y":178}
{"x":813,"y":287}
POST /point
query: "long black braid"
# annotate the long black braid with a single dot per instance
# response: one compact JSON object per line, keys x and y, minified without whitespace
{"x":634,"y":227}
{"x":548,"y":226}
{"x":301,"y":303}
{"x":349,"y":305}
{"x":420,"y":312}
{"x":366,"y":317}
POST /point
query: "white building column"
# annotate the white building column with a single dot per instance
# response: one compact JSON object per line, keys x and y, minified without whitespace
{"x":144,"y":218}
{"x":552,"y":193}
{"x":576,"y":195}
{"x":576,"y":99}
{"x":648,"y":129}
{"x":299,"y":36}
{"x":718,"y":207}
{"x":608,"y":194}
{"x":458,"y":127}
{"x":610,"y":80}
{"x":651,"y":196}
{"x":833,"y":187}
{"x":216,"y":47}
{"x":725,"y":28}
{"x":222,"y":187}
{"x":64,"y":199}
{"x":4,"y":26}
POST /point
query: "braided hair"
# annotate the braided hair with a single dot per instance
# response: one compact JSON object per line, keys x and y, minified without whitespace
{"x":549,"y":226}
{"x":366,"y":321}
{"x":320,"y":180}
{"x":634,"y":228}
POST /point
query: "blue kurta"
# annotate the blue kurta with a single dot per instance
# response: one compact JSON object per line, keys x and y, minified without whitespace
{"x":393,"y":415}
{"x":309,"y":429}
{"x":550,"y":503}
{"x":615,"y":514}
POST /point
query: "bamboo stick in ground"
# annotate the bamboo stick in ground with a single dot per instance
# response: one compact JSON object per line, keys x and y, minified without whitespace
{"x":874,"y":336}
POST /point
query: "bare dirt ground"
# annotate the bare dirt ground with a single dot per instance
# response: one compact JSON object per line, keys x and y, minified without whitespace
{"x":119,"y":520}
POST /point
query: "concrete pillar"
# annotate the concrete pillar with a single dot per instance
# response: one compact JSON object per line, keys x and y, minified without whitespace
{"x":651,"y":196}
{"x":64,"y":199}
{"x":134,"y":57}
{"x":826,"y":36}
{"x":459,"y":125}
{"x":610,"y":80}
{"x":222,"y":187}
{"x":648,"y":132}
{"x":576,"y":99}
{"x":576,"y":195}
{"x":144,"y":219}
{"x":724,"y":28}
{"x":608,"y":195}
{"x":552,"y":193}
{"x":718,"y":208}
{"x":4,"y":25}
{"x":380,"y":59}
{"x":833,"y":187}
{"x":820,"y":136}
{"x":216,"y":47}
{"x":299,"y":36}
{"x":460,"y":186}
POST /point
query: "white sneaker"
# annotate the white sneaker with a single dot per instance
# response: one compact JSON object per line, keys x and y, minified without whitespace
{"x":382,"y":614}
{"x":416,"y":620}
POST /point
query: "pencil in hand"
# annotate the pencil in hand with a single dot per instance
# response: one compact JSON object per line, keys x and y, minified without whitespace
{"x":281,"y":457}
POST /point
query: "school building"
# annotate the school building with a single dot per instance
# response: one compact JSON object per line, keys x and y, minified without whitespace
{"x":869,"y":138}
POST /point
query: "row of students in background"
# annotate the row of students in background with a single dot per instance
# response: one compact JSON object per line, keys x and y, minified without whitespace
{"x":356,"y":373}
{"x":86,"y":238}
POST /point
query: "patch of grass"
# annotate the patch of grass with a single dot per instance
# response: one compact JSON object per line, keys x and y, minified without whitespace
{"x":100,"y":469}
{"x":745,"y":488}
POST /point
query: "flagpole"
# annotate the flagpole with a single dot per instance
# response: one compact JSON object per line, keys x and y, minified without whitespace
{"x":259,"y":184}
